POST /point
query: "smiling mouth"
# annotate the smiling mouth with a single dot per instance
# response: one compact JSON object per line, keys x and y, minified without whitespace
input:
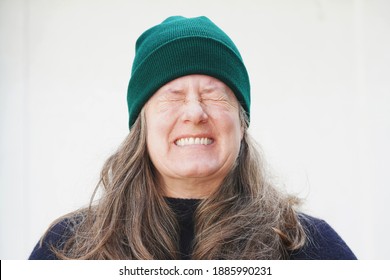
{"x":193,"y":141}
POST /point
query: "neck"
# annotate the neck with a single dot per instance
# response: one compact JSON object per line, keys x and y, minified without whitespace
{"x":197,"y":188}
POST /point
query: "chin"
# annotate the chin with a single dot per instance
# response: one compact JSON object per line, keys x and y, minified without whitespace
{"x":197,"y":172}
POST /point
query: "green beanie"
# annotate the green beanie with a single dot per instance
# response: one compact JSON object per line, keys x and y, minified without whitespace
{"x":182,"y":46}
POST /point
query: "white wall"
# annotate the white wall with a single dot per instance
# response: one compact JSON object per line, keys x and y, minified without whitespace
{"x":320,"y":90}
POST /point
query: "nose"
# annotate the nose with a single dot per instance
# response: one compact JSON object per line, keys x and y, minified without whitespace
{"x":194,"y":111}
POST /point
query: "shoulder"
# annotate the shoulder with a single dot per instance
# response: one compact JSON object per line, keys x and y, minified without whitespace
{"x":323,"y":242}
{"x":55,"y":237}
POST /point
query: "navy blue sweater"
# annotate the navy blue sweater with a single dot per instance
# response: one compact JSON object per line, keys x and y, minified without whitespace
{"x":323,"y":243}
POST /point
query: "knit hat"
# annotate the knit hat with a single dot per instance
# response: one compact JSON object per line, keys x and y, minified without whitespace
{"x":182,"y":46}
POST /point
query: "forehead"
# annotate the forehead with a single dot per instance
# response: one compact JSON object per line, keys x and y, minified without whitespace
{"x":201,"y":80}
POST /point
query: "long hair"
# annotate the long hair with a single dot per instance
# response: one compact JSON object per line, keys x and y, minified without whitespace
{"x":246,"y":218}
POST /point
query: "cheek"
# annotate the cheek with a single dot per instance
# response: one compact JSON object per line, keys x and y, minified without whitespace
{"x":155,"y":148}
{"x":157,"y":137}
{"x":153,"y":135}
{"x":231,"y":126}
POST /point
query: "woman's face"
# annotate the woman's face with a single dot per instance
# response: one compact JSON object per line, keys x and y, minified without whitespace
{"x":193,"y":133}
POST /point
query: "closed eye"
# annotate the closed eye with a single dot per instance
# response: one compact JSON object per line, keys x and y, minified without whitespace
{"x":218,"y":98}
{"x":175,"y":95}
{"x":214,"y":94}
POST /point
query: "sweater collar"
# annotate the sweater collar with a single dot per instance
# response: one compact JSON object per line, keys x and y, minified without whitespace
{"x":183,"y":207}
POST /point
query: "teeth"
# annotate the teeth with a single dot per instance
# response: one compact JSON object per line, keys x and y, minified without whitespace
{"x":193,"y":141}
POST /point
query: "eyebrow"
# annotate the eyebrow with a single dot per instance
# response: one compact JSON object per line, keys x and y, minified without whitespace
{"x":174,"y":90}
{"x":211,"y":87}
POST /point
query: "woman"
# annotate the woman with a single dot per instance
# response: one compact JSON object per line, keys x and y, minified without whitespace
{"x":187,"y":182}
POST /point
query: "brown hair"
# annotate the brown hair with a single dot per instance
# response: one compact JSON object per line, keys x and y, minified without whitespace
{"x":246,"y":218}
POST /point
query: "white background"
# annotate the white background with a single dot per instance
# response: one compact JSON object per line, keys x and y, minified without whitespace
{"x":320,"y":74}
